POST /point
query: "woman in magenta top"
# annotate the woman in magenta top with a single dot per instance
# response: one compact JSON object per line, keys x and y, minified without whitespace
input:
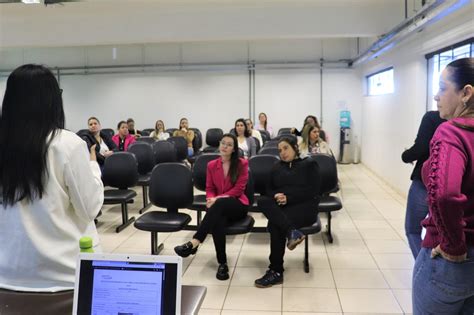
{"x":443,"y":277}
{"x":226,"y":181}
{"x":123,"y":139}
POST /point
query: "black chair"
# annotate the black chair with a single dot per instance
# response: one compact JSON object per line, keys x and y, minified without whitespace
{"x":308,"y":230}
{"x":285,"y":135}
{"x":120,"y":171}
{"x":284,"y":131}
{"x":109,"y":132}
{"x":146,"y":161}
{"x":257,"y":143}
{"x":149,"y":130}
{"x":181,"y":147}
{"x":164,"y":151}
{"x":146,"y":139}
{"x":269,"y":150}
{"x":271,"y":144}
{"x":197,"y":141}
{"x":329,"y":182}
{"x":145,"y":133}
{"x":213,"y":137}
{"x":170,"y":131}
{"x":171,"y":187}
{"x":265,"y":136}
{"x":246,"y":224}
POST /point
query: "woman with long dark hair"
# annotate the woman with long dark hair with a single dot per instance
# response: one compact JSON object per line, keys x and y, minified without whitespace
{"x":50,"y":184}
{"x":312,"y":121}
{"x":244,"y":138}
{"x":123,"y":139}
{"x":443,"y":277}
{"x":291,"y":202}
{"x":226,"y":180}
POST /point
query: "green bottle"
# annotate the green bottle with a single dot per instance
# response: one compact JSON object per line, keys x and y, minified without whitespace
{"x":85,"y":244}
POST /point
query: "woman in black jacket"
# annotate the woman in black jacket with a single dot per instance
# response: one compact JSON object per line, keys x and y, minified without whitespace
{"x":291,"y":202}
{"x":104,"y":144}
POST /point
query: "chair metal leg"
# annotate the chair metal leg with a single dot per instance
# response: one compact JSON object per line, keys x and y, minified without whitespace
{"x":125,"y":220}
{"x":146,"y":203}
{"x":329,"y":235}
{"x":306,"y":258}
{"x":155,"y":249}
{"x":199,"y":217}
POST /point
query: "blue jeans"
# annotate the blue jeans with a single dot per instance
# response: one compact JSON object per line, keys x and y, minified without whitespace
{"x":441,"y":286}
{"x":417,"y":209}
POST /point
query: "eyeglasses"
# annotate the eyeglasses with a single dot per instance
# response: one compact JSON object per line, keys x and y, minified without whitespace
{"x":227,"y":144}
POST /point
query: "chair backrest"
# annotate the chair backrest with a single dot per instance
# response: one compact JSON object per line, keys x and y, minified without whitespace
{"x":328,"y":172}
{"x":261,"y":167}
{"x":197,"y":141}
{"x":171,"y":186}
{"x":109,"y":132}
{"x":265,"y":136}
{"x":271,"y":144}
{"x":257,"y":143}
{"x":170,"y":131}
{"x":164,"y":151}
{"x":146,"y":139}
{"x":181,"y":146}
{"x":144,"y":155}
{"x":285,"y":135}
{"x":269,"y":150}
{"x":145,"y":133}
{"x":120,"y":170}
{"x":200,"y":169}
{"x":149,"y":130}
{"x":82,"y":132}
{"x":213,"y":136}
{"x":284,"y":131}
{"x":250,"y":188}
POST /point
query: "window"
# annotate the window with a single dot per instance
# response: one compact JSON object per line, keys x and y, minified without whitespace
{"x":438,"y":60}
{"x":380,"y":83}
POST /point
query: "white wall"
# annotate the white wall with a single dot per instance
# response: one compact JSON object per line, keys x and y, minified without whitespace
{"x":390,"y":122}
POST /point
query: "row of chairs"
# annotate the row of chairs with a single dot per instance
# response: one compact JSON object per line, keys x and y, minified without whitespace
{"x":170,"y":189}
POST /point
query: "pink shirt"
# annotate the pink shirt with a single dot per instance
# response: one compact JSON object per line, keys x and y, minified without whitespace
{"x":448,"y":175}
{"x":129,"y":139}
{"x":218,"y":185}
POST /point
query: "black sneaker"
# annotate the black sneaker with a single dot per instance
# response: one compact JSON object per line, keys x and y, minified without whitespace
{"x":185,"y":250}
{"x":295,"y":237}
{"x":222,"y":272}
{"x":270,"y":278}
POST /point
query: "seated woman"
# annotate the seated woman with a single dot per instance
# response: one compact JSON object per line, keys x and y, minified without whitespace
{"x":159,"y":132}
{"x":253,"y":132}
{"x":104,"y":145}
{"x":50,"y":184}
{"x":183,"y":131}
{"x":313,"y":121}
{"x":291,"y":202}
{"x":131,"y":128}
{"x":226,"y":180}
{"x":311,"y":142}
{"x":245,"y":140}
{"x":123,"y":139}
{"x":263,"y":124}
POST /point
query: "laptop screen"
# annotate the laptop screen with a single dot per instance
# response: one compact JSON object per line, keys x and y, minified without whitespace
{"x":127,"y":287}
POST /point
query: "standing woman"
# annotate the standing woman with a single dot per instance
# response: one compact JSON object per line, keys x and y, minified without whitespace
{"x":289,"y":203}
{"x":186,"y":133}
{"x":443,"y":277}
{"x":263,"y":124}
{"x":246,"y":141}
{"x":123,"y":139}
{"x":104,"y":146}
{"x":50,"y":186}
{"x":226,"y":180}
{"x":159,"y":132}
{"x":417,"y":206}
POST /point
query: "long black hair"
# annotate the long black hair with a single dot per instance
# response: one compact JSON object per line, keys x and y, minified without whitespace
{"x":461,"y":73}
{"x":234,"y":170}
{"x":247,"y":132}
{"x":32,"y":115}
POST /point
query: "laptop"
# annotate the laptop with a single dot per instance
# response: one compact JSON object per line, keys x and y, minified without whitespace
{"x":123,"y":284}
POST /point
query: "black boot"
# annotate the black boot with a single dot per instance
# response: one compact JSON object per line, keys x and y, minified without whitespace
{"x":185,"y":250}
{"x":222,"y":272}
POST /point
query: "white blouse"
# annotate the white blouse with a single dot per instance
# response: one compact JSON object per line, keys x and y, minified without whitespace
{"x":40,"y":240}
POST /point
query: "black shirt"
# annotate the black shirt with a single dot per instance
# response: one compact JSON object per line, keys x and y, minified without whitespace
{"x":420,"y":151}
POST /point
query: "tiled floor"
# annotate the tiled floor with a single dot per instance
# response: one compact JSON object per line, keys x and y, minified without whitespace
{"x":367,"y":270}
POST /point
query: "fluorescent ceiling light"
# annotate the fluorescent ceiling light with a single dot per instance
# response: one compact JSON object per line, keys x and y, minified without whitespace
{"x":30,"y":1}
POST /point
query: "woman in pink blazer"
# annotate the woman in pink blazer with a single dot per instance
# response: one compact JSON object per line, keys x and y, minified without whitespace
{"x":123,"y":139}
{"x":226,"y":180}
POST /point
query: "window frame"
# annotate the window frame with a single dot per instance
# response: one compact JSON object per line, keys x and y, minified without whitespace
{"x":367,"y":80}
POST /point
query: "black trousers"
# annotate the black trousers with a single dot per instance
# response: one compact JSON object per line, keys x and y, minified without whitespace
{"x":222,"y":213}
{"x":281,"y":220}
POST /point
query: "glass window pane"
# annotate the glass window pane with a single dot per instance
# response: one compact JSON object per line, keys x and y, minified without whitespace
{"x":462,"y":52}
{"x":381,"y":83}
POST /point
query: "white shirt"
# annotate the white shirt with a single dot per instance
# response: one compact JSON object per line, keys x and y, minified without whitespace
{"x":103,"y":147}
{"x":40,"y":240}
{"x":244,"y":147}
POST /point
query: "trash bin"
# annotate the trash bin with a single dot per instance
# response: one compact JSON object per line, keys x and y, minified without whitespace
{"x":345,"y":152}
